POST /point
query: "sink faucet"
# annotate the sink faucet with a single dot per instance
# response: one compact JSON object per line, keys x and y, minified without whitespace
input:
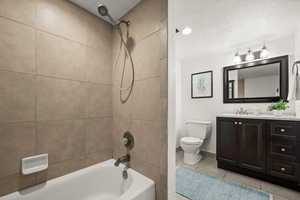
{"x":242,"y":111}
{"x":123,"y":159}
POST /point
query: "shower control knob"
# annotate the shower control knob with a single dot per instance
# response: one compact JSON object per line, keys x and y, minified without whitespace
{"x":125,"y":141}
{"x":128,"y":140}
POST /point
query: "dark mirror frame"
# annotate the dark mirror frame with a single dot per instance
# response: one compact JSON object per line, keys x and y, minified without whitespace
{"x":284,"y":80}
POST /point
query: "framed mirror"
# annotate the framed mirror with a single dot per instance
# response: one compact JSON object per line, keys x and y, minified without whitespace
{"x":257,"y":81}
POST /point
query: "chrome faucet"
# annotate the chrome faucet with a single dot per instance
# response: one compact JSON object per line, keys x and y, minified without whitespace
{"x":123,"y":159}
{"x":242,"y":111}
{"x":125,"y":172}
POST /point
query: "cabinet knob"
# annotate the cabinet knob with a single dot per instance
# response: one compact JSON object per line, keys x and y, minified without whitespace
{"x":282,"y":130}
{"x":282,"y":169}
{"x":235,"y":123}
{"x":283,"y":149}
{"x":240,"y":123}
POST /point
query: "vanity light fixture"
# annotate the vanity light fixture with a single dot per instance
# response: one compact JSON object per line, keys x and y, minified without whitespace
{"x":186,"y":30}
{"x":237,"y":58}
{"x":250,"y":55}
{"x":264,"y":53}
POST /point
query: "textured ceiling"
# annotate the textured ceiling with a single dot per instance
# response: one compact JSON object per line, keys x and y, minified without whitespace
{"x":117,"y":8}
{"x":228,"y":25}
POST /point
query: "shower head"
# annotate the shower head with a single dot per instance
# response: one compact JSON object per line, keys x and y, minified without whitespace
{"x":103,"y":11}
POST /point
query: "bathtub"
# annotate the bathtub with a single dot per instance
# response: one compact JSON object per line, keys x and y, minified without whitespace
{"x":102,"y":181}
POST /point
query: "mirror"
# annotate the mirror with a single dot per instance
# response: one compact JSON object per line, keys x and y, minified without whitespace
{"x":258,"y":81}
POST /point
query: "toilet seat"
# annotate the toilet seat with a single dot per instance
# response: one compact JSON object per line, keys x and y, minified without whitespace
{"x":191,"y":141}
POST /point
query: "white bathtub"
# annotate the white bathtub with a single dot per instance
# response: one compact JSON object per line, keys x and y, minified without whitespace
{"x":102,"y":181}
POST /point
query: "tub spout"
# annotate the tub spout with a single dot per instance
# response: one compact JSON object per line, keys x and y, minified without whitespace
{"x":123,"y":159}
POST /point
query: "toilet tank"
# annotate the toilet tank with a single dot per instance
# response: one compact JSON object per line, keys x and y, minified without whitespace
{"x":198,"y":129}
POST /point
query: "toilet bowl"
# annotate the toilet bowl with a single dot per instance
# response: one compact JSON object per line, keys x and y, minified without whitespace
{"x":191,"y":144}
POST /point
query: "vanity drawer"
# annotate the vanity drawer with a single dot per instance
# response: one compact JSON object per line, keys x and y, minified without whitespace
{"x":281,"y":128}
{"x":287,"y":152}
{"x":282,"y":169}
{"x":283,"y":140}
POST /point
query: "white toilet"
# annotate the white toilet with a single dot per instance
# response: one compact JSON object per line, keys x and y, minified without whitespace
{"x":191,"y":144}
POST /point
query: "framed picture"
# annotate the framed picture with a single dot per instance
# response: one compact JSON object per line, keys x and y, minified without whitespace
{"x":202,"y":85}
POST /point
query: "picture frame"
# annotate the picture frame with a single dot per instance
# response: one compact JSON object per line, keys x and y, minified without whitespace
{"x":202,"y":85}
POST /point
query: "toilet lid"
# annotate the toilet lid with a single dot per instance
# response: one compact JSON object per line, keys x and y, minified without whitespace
{"x":191,"y":140}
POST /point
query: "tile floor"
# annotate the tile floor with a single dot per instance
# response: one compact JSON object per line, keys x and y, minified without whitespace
{"x":209,"y":166}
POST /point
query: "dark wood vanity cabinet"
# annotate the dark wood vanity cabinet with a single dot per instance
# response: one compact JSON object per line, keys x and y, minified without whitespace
{"x":252,"y":144}
{"x":265,"y":149}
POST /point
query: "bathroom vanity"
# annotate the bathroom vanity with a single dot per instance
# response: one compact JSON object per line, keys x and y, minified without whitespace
{"x":265,"y":147}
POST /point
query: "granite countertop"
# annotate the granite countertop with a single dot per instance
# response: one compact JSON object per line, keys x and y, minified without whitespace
{"x":260,"y":116}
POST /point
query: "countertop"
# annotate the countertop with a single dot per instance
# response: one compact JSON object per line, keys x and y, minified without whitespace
{"x":261,"y":116}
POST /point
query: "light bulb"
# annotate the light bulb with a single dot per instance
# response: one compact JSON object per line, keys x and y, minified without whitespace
{"x":250,"y":55}
{"x":186,"y":30}
{"x":237,"y":58}
{"x":264,"y":53}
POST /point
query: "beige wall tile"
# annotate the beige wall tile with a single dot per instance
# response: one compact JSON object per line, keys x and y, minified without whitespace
{"x":60,"y":57}
{"x":164,"y":10}
{"x":147,"y":141}
{"x":64,"y":42}
{"x":146,"y":100}
{"x":62,"y":18}
{"x":164,"y":78}
{"x":98,"y":157}
{"x":99,"y":100}
{"x":147,"y":57}
{"x":17,"y":46}
{"x":145,"y":18}
{"x":15,"y":182}
{"x":60,"y":169}
{"x":120,"y":109}
{"x":99,"y":65}
{"x":62,"y":140}
{"x":17,"y":141}
{"x":20,"y":10}
{"x":164,"y":39}
{"x":60,"y":99}
{"x":99,"y":33}
{"x":98,"y":135}
{"x":17,"y":102}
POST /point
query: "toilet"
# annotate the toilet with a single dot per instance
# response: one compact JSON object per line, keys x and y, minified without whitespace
{"x":191,"y":144}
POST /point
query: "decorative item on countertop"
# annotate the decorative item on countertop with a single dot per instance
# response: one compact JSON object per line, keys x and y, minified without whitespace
{"x":278,"y":107}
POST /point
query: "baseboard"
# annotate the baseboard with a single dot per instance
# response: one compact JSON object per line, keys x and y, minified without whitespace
{"x":208,"y":154}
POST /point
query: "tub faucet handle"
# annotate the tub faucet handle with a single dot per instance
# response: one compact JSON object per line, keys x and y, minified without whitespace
{"x":128,"y":140}
{"x":125,"y":141}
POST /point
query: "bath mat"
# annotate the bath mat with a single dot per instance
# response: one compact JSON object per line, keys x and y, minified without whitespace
{"x":197,"y":186}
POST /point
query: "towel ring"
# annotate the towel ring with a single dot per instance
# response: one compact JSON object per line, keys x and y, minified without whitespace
{"x":295,"y":65}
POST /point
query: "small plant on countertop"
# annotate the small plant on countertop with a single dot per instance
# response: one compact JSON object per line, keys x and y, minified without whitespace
{"x":280,"y":105}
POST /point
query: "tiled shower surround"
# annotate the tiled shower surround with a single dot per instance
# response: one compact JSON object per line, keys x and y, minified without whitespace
{"x":57,"y":94}
{"x":145,"y":113}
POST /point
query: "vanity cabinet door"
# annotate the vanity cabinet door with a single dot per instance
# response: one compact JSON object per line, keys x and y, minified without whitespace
{"x":252,"y":145}
{"x":227,"y":140}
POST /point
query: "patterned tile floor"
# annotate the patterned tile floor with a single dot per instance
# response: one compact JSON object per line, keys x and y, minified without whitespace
{"x":209,"y":166}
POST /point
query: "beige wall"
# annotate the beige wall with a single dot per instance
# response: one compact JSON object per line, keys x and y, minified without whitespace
{"x":145,"y":113}
{"x":55,"y":89}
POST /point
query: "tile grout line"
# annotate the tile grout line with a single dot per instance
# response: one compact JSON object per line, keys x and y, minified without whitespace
{"x":55,"y":77}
